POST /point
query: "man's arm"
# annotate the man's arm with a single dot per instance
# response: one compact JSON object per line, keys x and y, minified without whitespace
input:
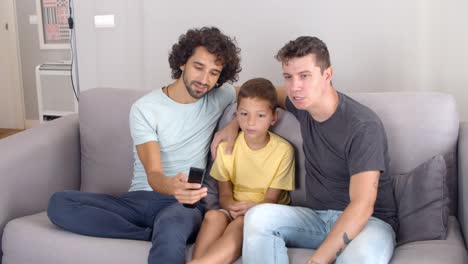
{"x":227,"y":134}
{"x":150,"y":156}
{"x":363,"y":194}
{"x":281,"y":96}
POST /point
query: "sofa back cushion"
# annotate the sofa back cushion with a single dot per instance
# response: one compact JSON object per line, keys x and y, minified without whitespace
{"x":419,"y":126}
{"x":106,"y":145}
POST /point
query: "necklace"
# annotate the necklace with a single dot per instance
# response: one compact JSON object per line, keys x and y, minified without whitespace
{"x":167,"y":91}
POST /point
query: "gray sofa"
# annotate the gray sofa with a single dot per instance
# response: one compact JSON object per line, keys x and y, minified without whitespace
{"x":93,"y":152}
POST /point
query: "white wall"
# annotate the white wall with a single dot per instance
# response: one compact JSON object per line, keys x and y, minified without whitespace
{"x":110,"y":57}
{"x":374,"y":45}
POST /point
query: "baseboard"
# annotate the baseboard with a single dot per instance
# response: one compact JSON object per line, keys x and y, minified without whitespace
{"x":31,"y":123}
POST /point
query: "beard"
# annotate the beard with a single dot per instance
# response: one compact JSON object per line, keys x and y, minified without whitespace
{"x":195,"y":94}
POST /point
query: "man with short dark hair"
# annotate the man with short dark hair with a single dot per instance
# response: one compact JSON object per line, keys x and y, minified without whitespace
{"x":350,"y":215}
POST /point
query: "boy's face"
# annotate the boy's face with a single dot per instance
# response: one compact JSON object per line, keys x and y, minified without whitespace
{"x":201,"y":72}
{"x":255,"y":117}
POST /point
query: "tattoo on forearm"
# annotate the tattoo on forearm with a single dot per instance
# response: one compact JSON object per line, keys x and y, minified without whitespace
{"x":346,"y":240}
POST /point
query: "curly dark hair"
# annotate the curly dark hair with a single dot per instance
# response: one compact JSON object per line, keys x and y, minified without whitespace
{"x":222,"y":46}
{"x":303,"y":46}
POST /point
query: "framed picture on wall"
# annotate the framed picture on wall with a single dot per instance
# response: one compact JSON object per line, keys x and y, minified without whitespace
{"x":53,"y":24}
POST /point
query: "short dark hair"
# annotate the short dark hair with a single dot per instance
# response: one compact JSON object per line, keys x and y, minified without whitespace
{"x":259,"y":88}
{"x":303,"y":46}
{"x":222,"y":46}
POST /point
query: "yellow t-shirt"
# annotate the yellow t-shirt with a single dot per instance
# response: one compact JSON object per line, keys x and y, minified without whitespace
{"x":252,"y":172}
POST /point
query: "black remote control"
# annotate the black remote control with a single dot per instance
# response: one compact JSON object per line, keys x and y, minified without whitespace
{"x":196,"y":175}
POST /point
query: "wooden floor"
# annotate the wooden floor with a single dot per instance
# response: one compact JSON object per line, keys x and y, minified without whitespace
{"x":8,"y":132}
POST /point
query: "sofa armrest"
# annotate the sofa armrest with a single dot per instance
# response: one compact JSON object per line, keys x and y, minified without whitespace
{"x":36,"y":163}
{"x":463,"y":179}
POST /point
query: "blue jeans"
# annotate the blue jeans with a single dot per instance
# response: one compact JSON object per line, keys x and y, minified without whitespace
{"x":270,"y":228}
{"x":140,"y":215}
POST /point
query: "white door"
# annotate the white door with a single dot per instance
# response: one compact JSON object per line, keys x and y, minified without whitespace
{"x":11,"y":95}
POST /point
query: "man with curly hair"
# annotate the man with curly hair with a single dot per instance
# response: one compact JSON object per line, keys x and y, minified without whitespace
{"x":171,"y":130}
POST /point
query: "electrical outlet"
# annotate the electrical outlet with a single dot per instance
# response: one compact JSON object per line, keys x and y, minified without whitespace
{"x":104,"y":21}
{"x":33,"y":19}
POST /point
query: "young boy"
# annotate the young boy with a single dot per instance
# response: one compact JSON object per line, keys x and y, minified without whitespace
{"x":259,"y":170}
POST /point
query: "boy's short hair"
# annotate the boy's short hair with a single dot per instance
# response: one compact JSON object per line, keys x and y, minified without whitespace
{"x":303,"y":46}
{"x":260,"y":88}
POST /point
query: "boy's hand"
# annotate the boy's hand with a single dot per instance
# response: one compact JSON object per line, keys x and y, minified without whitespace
{"x":228,"y":134}
{"x":187,"y":193}
{"x":240,"y":208}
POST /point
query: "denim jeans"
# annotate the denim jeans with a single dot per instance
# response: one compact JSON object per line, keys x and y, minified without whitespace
{"x":140,"y":215}
{"x":270,"y":228}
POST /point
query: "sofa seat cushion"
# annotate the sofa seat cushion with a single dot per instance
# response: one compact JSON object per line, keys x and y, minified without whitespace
{"x":34,"y":239}
{"x":451,"y":250}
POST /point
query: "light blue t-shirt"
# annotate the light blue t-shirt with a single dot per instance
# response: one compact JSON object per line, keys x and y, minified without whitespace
{"x":183,"y":130}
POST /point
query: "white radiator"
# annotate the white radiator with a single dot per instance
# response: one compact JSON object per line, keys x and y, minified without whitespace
{"x":55,"y":91}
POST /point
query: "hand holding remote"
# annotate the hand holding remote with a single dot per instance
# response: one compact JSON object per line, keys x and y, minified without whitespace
{"x":196,"y":176}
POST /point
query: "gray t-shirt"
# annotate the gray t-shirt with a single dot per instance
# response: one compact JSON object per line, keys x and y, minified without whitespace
{"x":351,"y":141}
